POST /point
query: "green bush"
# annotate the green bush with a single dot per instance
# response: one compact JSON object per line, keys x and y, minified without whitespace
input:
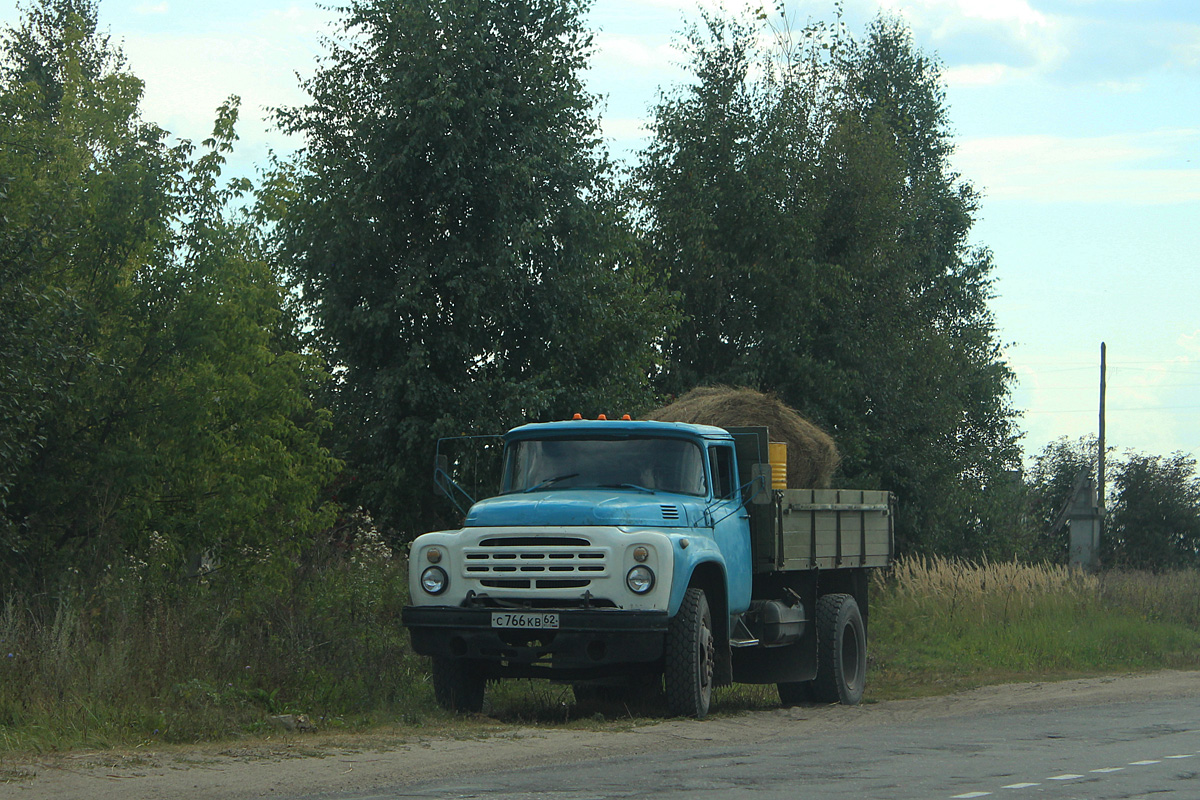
{"x":142,"y":662}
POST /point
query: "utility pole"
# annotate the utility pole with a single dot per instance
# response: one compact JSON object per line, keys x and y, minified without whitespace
{"x":1100,"y":455}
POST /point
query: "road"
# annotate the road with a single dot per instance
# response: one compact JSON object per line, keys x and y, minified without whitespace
{"x":1095,"y":752}
{"x":1092,"y":739}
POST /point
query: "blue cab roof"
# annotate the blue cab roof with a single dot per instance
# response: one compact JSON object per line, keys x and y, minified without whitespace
{"x":616,"y":427}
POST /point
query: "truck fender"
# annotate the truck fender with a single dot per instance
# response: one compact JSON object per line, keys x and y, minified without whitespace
{"x":700,"y":555}
{"x":707,"y":572}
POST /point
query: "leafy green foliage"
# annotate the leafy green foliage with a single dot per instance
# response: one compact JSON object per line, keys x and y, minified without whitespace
{"x":1051,"y":481}
{"x":156,"y":403}
{"x":1153,"y":505}
{"x":801,"y":203}
{"x":452,"y":224}
{"x":1154,"y":520}
{"x":130,"y":667}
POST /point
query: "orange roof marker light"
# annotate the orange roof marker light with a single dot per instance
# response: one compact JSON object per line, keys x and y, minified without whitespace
{"x":627,"y":417}
{"x":602,"y":416}
{"x":577,"y":416}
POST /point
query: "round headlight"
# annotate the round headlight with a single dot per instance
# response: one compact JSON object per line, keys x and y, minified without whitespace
{"x":434,"y":580}
{"x":640,"y":580}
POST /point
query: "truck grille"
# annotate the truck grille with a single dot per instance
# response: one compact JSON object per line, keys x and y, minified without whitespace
{"x":527,"y":562}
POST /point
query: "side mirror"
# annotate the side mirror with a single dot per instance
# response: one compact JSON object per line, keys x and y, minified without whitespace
{"x":441,"y":473}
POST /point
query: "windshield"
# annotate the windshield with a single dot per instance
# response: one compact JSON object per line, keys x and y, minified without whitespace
{"x":651,"y":464}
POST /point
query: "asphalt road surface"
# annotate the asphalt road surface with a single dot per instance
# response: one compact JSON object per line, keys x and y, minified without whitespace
{"x":1093,"y":752}
{"x":1089,"y":739}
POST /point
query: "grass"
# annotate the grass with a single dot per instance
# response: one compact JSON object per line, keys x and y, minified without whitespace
{"x":940,"y":625}
{"x":133,"y":669}
{"x":212,"y":662}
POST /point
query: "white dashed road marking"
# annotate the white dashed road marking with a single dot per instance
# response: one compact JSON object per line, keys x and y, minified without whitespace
{"x":1071,"y":776}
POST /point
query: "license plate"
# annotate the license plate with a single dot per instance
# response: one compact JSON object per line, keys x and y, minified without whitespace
{"x":505,"y":619}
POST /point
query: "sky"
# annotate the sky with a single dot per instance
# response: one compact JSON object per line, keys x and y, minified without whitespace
{"x":1077,"y":120}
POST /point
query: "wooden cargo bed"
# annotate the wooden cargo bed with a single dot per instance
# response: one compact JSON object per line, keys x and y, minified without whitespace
{"x":822,"y":529}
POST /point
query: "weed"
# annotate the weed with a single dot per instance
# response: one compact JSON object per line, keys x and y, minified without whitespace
{"x":940,"y":625}
{"x":203,"y":663}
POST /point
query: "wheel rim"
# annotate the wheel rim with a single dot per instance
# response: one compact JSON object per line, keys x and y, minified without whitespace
{"x":850,"y":665}
{"x":708,"y":654}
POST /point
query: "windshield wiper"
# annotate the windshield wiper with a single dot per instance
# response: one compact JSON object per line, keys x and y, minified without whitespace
{"x":549,"y":482}
{"x":633,"y":486}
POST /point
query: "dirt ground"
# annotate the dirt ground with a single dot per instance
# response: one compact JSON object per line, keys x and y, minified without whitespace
{"x":308,"y":764}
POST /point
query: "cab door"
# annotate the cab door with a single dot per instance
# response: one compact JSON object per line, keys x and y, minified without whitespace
{"x":731,"y":524}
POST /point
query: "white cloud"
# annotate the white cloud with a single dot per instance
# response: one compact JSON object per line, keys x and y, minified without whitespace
{"x":975,"y":75}
{"x":624,"y":130}
{"x":1123,"y":87}
{"x":1148,"y":402}
{"x":689,"y":7}
{"x":927,"y":12}
{"x":641,"y":53}
{"x":989,"y":41}
{"x":256,"y":60}
{"x":1046,"y":169}
{"x":153,"y":8}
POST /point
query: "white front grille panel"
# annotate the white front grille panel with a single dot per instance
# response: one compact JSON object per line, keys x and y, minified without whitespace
{"x":515,"y":558}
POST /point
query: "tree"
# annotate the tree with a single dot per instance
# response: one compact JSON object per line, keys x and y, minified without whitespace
{"x":801,"y":203}
{"x":451,"y":222}
{"x":160,"y":407}
{"x":934,"y":398}
{"x":1154,"y":522}
{"x":1051,"y":483}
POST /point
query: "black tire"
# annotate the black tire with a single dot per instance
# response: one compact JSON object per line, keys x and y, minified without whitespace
{"x":841,"y":651}
{"x":795,"y":693}
{"x":458,"y":685}
{"x":690,"y":657}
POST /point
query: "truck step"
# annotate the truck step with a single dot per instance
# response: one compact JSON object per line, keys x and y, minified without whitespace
{"x":742,"y":636}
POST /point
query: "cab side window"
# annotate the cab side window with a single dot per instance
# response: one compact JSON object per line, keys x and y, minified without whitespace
{"x":720,"y":459}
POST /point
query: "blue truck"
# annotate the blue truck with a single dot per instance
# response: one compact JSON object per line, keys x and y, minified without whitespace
{"x":620,"y":555}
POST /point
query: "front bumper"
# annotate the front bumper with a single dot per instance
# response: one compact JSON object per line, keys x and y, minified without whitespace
{"x":585,"y":641}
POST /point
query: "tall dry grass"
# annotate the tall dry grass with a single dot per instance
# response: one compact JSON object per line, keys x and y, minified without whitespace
{"x":984,"y":592}
{"x":939,"y":624}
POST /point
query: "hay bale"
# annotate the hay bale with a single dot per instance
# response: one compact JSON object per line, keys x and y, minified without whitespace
{"x":812,"y":454}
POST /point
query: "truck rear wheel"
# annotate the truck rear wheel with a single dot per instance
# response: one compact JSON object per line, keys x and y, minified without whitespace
{"x":690,"y":657}
{"x":458,"y":685}
{"x":841,"y":651}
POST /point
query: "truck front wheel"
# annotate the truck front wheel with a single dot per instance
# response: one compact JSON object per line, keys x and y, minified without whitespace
{"x":458,"y":685}
{"x":841,"y":651}
{"x":690,"y":657}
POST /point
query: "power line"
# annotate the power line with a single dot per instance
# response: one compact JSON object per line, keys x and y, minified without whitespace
{"x":1123,"y":410}
{"x":1042,"y":387}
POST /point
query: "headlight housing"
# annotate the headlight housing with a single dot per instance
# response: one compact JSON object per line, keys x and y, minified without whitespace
{"x":640,"y":579}
{"x":434,"y":580}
